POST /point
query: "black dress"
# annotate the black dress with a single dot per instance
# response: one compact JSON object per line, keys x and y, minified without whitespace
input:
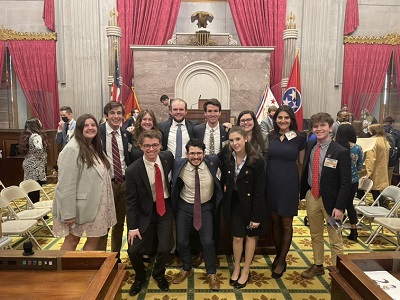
{"x":282,"y":174}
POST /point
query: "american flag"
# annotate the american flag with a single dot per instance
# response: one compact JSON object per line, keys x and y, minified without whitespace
{"x":116,"y":88}
{"x":267,"y":100}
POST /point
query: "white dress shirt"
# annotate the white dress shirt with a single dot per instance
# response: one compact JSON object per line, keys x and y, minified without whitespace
{"x":118,"y":136}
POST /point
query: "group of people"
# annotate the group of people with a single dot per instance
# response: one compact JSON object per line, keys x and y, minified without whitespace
{"x":172,"y":179}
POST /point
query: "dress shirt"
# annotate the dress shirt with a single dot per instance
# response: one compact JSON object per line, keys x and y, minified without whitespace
{"x":151,"y":175}
{"x":217,"y":138}
{"x":322,"y":153}
{"x":118,"y":136}
{"x":172,"y":137}
{"x":206,"y":183}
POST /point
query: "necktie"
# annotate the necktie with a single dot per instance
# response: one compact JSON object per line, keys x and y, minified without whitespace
{"x":197,"y":201}
{"x":212,"y":148}
{"x":315,"y":173}
{"x":66,"y":132}
{"x":116,"y":159}
{"x":160,"y":202}
{"x":178,"y":150}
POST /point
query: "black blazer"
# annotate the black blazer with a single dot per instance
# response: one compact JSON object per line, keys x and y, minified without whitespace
{"x":200,"y":130}
{"x":139,"y":199}
{"x":126,"y":139}
{"x":166,"y":126}
{"x":213,"y":163}
{"x":335,"y":183}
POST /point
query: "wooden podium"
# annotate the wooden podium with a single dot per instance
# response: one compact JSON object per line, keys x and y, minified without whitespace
{"x":350,"y":282}
{"x":60,"y":275}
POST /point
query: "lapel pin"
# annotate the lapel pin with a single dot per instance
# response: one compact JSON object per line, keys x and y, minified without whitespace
{"x":247,"y":172}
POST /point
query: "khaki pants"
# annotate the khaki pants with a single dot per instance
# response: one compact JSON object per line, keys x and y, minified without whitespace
{"x":316,"y":214}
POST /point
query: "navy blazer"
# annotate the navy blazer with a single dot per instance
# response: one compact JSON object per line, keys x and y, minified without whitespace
{"x":126,"y":139}
{"x":166,"y":126}
{"x":335,"y":183}
{"x":200,"y":130}
{"x":139,"y":198}
{"x":212,"y":162}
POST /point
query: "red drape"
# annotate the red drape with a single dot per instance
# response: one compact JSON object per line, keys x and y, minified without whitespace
{"x":35,"y":65}
{"x":364,"y":72}
{"x":396,"y":56}
{"x":2,"y":51}
{"x":261,"y":23}
{"x":352,"y":20}
{"x":143,"y":22}
{"x":48,"y":14}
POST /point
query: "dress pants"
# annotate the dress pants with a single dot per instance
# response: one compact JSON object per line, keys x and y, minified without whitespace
{"x":163,"y":228}
{"x":316,"y":214}
{"x":184,"y":223}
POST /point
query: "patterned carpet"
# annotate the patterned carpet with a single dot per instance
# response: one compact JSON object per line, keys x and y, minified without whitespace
{"x":260,"y":287}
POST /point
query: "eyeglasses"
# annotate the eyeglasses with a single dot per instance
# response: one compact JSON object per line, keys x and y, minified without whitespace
{"x":148,"y":146}
{"x":195,"y":153}
{"x":242,"y":121}
{"x":336,"y":224}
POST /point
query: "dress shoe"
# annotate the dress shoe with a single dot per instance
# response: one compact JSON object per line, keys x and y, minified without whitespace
{"x":181,"y":276}
{"x":136,"y":287}
{"x":197,"y":260}
{"x":279,"y":275}
{"x":312,"y":271}
{"x":162,"y":283}
{"x":146,"y":259}
{"x":242,"y":285}
{"x":213,"y":282}
{"x":353,"y":235}
{"x":233,"y":282}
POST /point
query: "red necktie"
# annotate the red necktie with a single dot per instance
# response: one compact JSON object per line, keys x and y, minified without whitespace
{"x":160,"y":202}
{"x":197,"y":201}
{"x":116,"y":159}
{"x":315,"y":173}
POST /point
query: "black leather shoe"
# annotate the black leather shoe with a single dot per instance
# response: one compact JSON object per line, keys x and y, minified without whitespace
{"x":233,"y":282}
{"x":242,"y":285}
{"x":162,"y":283}
{"x":279,"y":275}
{"x":136,"y":287}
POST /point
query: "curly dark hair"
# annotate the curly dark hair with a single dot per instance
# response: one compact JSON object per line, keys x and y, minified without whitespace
{"x":138,"y":128}
{"x":31,"y":126}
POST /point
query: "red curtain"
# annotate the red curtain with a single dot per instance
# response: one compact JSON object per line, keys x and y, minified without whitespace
{"x":35,"y":65}
{"x":48,"y":14}
{"x":396,"y":56}
{"x":364,"y":72}
{"x":143,"y":22}
{"x":261,"y":23}
{"x":2,"y":51}
{"x":352,"y":20}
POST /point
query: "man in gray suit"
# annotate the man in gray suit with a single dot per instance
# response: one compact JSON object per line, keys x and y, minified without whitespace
{"x":66,"y":126}
{"x":268,"y":123}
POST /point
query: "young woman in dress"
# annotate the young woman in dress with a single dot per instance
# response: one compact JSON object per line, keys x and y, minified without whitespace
{"x":243,"y":174}
{"x":33,"y":144}
{"x":285,"y":155}
{"x":83,"y":201}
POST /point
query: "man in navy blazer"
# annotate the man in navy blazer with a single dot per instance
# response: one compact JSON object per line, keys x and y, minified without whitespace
{"x":184,"y":201}
{"x":142,"y":215}
{"x":326,"y":185}
{"x":114,"y":113}
{"x":66,"y":126}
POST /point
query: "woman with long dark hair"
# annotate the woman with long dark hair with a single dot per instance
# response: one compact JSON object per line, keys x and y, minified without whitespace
{"x":33,"y":144}
{"x":285,"y":156}
{"x":83,"y":201}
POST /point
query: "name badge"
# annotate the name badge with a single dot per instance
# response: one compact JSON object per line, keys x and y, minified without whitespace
{"x":290,"y":135}
{"x":330,"y":163}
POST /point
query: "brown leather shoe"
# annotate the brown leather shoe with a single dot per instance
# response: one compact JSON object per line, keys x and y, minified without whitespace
{"x":197,"y":260}
{"x":181,"y":276}
{"x":312,"y":271}
{"x":213,"y":282}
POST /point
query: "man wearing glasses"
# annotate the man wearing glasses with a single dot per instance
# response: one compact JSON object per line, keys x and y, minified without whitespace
{"x":148,"y":205}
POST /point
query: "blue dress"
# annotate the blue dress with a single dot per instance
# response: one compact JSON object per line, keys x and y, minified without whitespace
{"x":282,"y":174}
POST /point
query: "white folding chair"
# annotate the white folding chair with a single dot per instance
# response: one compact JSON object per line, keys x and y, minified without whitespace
{"x":14,"y":202}
{"x":392,"y":224}
{"x":5,"y":242}
{"x":31,"y":213}
{"x":18,"y":227}
{"x":31,"y":185}
{"x":364,"y":184}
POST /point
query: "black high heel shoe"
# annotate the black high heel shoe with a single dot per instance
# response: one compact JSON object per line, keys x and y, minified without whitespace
{"x":233,"y":282}
{"x":279,"y":275}
{"x":242,"y":285}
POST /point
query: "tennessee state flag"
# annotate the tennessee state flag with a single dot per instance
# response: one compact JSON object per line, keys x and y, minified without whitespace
{"x":292,"y":95}
{"x":131,"y":103}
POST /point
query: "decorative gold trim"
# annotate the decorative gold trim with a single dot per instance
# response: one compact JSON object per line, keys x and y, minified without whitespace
{"x":11,"y":35}
{"x":389,"y":39}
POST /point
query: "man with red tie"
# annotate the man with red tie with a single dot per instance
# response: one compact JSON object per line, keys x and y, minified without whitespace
{"x":148,"y":206}
{"x":325,"y":184}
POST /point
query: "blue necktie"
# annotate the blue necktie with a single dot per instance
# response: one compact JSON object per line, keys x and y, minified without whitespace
{"x":178,"y":150}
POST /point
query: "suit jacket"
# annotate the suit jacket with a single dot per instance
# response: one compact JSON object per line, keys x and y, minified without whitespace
{"x":266,"y":125}
{"x":126,"y":139}
{"x":166,"y":126}
{"x":78,"y":191}
{"x":200,"y":130}
{"x":335,"y":183}
{"x":212,"y":162}
{"x":139,"y":199}
{"x":62,"y":136}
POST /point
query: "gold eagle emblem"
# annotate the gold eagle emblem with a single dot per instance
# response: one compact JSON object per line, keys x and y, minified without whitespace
{"x":202,"y":17}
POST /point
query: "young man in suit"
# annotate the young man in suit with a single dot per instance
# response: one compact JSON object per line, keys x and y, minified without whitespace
{"x":325,"y":184}
{"x":66,"y":126}
{"x":196,"y":194}
{"x":149,"y":206}
{"x":116,"y":142}
{"x":268,"y":123}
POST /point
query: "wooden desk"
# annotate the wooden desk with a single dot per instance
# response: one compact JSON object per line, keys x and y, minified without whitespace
{"x":79,"y":275}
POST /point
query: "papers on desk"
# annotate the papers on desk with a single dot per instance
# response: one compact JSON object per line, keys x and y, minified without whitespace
{"x":387,"y":282}
{"x":366,"y":143}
